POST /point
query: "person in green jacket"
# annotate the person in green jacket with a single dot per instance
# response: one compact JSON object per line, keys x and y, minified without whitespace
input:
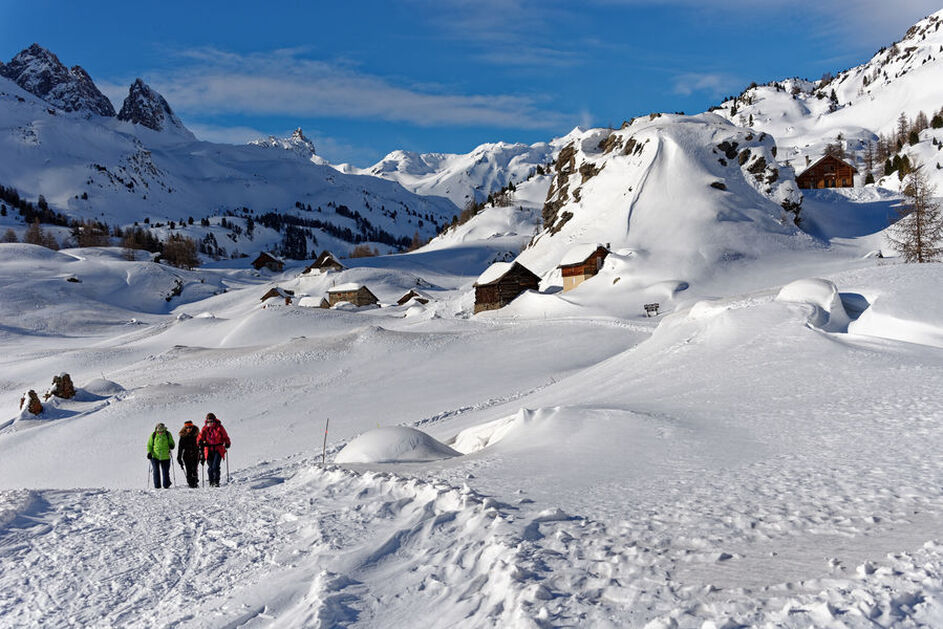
{"x":159,"y":446}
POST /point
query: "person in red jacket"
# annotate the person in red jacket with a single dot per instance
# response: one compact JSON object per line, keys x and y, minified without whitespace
{"x":214,"y":441}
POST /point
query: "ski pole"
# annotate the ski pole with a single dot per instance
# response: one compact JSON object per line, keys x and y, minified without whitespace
{"x":227,"y":467}
{"x":203,"y":473}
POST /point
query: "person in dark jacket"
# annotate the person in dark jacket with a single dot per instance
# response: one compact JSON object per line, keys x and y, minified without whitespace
{"x":188,"y":454}
{"x":214,"y":441}
{"x":159,"y":445}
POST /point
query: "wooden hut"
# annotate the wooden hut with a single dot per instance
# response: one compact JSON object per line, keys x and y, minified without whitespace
{"x":501,"y":283}
{"x":357,"y":294}
{"x":413,"y":294}
{"x":281,"y":293}
{"x":268,"y":261}
{"x":828,"y":172}
{"x":581,"y":263}
{"x":324,"y":263}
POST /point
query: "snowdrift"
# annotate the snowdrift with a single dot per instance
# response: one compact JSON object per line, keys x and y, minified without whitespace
{"x":394,"y":444}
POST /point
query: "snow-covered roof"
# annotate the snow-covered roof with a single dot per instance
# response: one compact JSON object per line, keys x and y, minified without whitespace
{"x":494,"y":272}
{"x":579,"y":253}
{"x":343,"y":288}
{"x":270,"y":255}
{"x":822,"y":159}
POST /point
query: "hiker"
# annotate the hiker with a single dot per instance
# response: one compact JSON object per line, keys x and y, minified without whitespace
{"x":159,"y":446}
{"x":214,"y":441}
{"x":188,"y":455}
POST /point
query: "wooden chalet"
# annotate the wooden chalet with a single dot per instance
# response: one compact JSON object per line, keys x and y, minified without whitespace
{"x":581,"y":263}
{"x":281,"y":293}
{"x":325,"y":262}
{"x":357,"y":294}
{"x":413,"y":294}
{"x":828,"y":172}
{"x":501,"y":283}
{"x":268,"y":261}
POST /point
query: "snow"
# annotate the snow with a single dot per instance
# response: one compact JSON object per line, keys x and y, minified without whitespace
{"x":765,"y":452}
{"x":494,"y":272}
{"x":579,"y":253}
{"x":823,"y":297}
{"x":343,"y":288}
{"x":119,"y":172}
{"x":393,"y":444}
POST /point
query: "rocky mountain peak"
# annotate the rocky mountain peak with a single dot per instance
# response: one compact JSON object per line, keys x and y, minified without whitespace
{"x":297,"y":143}
{"x":146,"y":107}
{"x":39,"y":72}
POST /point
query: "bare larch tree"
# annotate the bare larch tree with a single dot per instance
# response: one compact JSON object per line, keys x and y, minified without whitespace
{"x":918,"y":235}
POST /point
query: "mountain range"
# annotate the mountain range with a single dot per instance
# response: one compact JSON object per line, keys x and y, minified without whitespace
{"x":62,"y":139}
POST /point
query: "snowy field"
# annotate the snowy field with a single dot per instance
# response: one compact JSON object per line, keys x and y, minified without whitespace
{"x":766,"y":452}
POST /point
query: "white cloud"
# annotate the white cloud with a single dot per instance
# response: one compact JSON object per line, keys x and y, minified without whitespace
{"x":715,"y":84}
{"x":334,"y":150}
{"x":870,"y":22}
{"x":212,"y":82}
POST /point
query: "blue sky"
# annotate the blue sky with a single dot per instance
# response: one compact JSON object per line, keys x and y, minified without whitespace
{"x":365,"y":78}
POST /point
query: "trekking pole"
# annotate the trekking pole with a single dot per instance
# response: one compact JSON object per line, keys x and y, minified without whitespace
{"x":173,"y":471}
{"x":203,"y":473}
{"x":227,"y":467}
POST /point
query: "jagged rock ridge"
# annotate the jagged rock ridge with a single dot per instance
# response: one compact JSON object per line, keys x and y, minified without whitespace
{"x":40,"y":73}
{"x":146,"y":107}
{"x":297,"y":143}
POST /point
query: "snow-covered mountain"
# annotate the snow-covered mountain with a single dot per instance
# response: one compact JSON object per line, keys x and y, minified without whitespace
{"x":297,"y":143}
{"x":854,"y":107}
{"x":144,"y":164}
{"x":144,"y":106}
{"x":39,"y":72}
{"x":468,"y":176}
{"x":678,"y":194}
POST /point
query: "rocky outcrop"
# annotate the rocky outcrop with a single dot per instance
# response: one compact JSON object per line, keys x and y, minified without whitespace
{"x":62,"y":387}
{"x":33,"y":405}
{"x":146,"y":107}
{"x":297,"y":143}
{"x":40,"y":73}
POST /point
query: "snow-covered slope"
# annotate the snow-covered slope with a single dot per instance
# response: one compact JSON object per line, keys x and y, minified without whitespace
{"x":677,"y":194}
{"x":144,"y":164}
{"x":470,"y":176}
{"x":858,"y":104}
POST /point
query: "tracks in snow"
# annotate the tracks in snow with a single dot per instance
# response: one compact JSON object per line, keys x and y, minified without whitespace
{"x":299,"y":545}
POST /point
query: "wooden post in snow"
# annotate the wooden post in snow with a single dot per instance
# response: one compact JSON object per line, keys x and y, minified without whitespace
{"x":324,"y":445}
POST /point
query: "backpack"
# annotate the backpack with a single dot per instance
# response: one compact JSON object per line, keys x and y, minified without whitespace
{"x":214,"y":435}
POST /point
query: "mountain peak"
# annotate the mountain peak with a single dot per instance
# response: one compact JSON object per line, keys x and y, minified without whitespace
{"x":39,"y":72}
{"x":146,"y":107}
{"x":297,"y":143}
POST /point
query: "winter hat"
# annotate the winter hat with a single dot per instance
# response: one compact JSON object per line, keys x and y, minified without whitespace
{"x":160,"y":428}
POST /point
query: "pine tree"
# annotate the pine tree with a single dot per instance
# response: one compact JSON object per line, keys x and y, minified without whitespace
{"x":9,"y":236}
{"x":918,"y":235}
